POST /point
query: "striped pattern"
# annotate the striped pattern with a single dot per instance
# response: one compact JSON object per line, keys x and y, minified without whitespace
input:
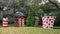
{"x":21,"y":22}
{"x":5,"y":22}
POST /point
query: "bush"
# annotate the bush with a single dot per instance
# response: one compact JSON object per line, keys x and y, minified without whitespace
{"x":57,"y":22}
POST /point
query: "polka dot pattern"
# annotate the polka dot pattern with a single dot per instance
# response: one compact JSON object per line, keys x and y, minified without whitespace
{"x":48,"y":21}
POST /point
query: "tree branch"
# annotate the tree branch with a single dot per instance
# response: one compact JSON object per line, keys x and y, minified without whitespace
{"x":54,"y":4}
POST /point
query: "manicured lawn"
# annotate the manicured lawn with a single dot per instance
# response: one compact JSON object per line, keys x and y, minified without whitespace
{"x":28,"y":30}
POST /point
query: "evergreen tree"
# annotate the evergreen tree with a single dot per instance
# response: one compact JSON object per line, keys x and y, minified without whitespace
{"x":30,"y":18}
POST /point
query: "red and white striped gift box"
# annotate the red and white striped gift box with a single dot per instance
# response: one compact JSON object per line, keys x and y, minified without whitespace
{"x":5,"y":22}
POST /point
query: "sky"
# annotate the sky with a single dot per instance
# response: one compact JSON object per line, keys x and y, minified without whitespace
{"x":59,"y":1}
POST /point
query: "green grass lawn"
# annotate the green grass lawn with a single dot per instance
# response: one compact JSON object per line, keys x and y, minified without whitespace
{"x":28,"y":30}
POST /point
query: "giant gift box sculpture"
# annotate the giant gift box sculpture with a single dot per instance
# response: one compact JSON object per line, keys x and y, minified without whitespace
{"x":48,"y":21}
{"x":21,"y":21}
{"x":5,"y":22}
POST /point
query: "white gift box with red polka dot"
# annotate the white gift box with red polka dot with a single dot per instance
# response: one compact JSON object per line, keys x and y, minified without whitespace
{"x":48,"y":21}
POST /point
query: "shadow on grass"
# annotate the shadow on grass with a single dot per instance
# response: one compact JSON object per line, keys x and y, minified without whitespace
{"x":57,"y":27}
{"x":11,"y":25}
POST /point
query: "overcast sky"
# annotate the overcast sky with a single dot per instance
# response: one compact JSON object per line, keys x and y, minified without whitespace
{"x":59,"y":1}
